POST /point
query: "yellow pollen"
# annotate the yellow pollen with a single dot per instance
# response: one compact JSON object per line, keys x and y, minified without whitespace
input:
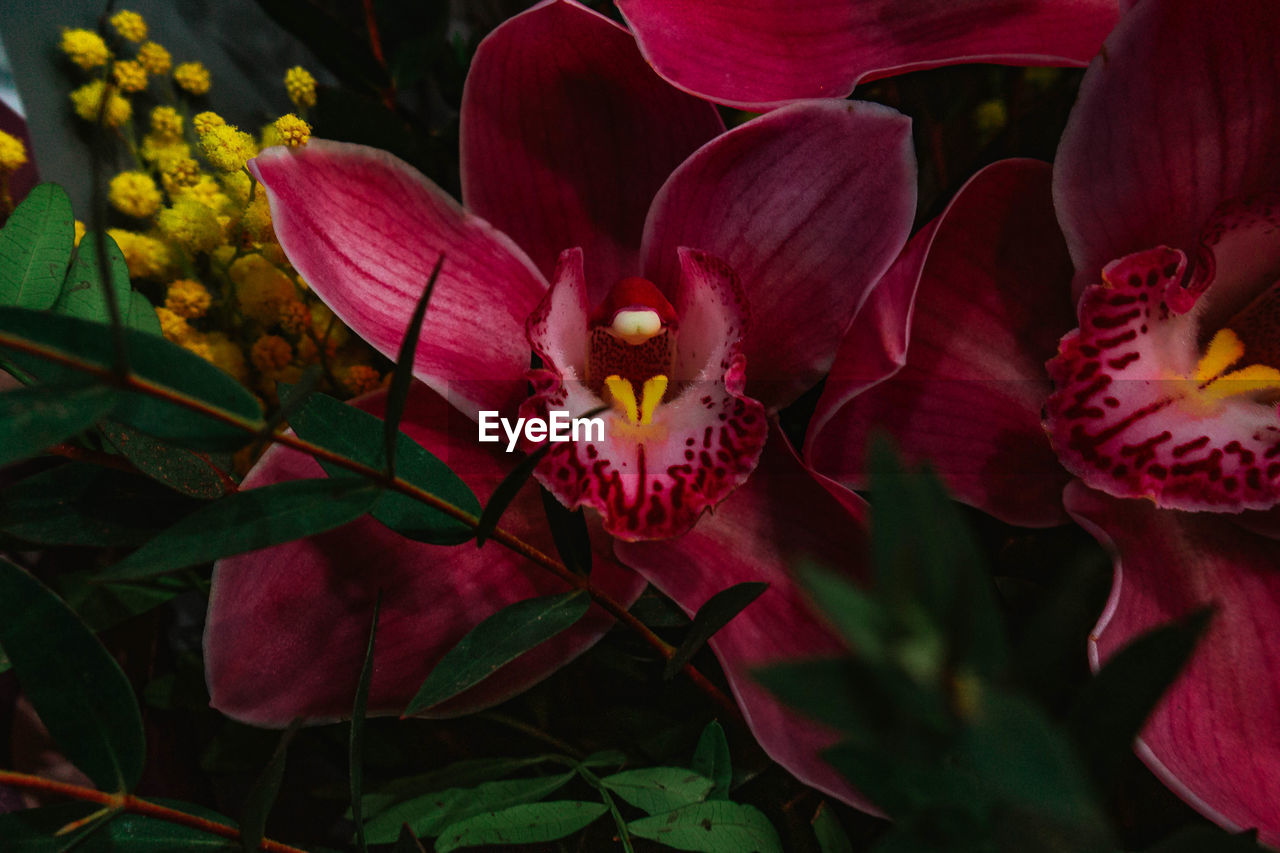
{"x":624,"y":395}
{"x":1224,"y":350}
{"x":651,"y":396}
{"x":1246,"y":380}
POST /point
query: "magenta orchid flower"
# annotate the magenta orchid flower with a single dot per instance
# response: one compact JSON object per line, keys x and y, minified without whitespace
{"x":757,"y":54}
{"x":1162,"y":385}
{"x":695,"y":280}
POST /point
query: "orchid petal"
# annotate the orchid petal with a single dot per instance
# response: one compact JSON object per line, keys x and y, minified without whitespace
{"x":783,"y":515}
{"x":758,"y":54}
{"x":1213,"y":737}
{"x":1176,"y":116}
{"x":365,"y":229}
{"x":567,"y":134}
{"x":948,"y":352}
{"x":288,"y":625}
{"x":809,"y":205}
{"x":655,"y":480}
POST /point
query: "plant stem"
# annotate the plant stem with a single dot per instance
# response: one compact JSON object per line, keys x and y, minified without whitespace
{"x":134,"y":805}
{"x":503,"y":537}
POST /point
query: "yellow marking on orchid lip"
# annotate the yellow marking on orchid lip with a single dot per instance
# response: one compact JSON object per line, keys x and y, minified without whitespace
{"x":651,"y":396}
{"x":1224,"y":350}
{"x":624,"y":395}
{"x":1247,"y":380}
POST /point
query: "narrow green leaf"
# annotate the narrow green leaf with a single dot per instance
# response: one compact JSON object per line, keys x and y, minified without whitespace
{"x":35,"y":248}
{"x":151,"y":358}
{"x":717,"y":826}
{"x":569,"y":532}
{"x":398,"y":392}
{"x":78,"y":503}
{"x":1112,"y":708}
{"x":714,"y":614}
{"x":76,"y":687}
{"x":711,"y":759}
{"x":84,"y":296}
{"x":430,"y":814}
{"x":511,"y":485}
{"x":355,"y":753}
{"x":830,"y":834}
{"x":358,"y":435}
{"x":525,"y":824}
{"x":656,"y":790}
{"x":190,"y":472}
{"x":39,"y":416}
{"x":262,"y":796}
{"x":247,"y":521}
{"x":496,"y":641}
{"x":32,"y":831}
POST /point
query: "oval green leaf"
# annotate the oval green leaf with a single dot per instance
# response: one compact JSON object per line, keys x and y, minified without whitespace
{"x":496,"y":641}
{"x":35,"y":248}
{"x":712,"y":827}
{"x":656,"y":790}
{"x":83,"y":295}
{"x":247,"y":521}
{"x":521,"y":825}
{"x":73,"y":683}
{"x":40,"y":416}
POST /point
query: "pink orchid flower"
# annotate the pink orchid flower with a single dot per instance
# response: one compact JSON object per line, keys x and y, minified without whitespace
{"x":1163,"y":388}
{"x":631,"y":243}
{"x":757,"y":54}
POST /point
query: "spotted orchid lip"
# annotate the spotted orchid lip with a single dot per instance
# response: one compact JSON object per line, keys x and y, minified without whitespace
{"x":1168,"y":389}
{"x":663,"y":460}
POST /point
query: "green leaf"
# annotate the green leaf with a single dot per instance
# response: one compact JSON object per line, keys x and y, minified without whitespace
{"x":40,"y":416}
{"x":355,"y":750}
{"x":262,"y":795}
{"x":398,"y":392}
{"x":142,"y":315}
{"x":35,"y":248}
{"x":569,"y":533}
{"x":859,"y":617}
{"x":190,"y":472}
{"x":247,"y":521}
{"x":430,"y":814}
{"x":711,"y":759}
{"x":1112,"y":708}
{"x":521,"y":825}
{"x":151,"y":358}
{"x":83,"y":295}
{"x":830,"y":834}
{"x":358,"y":435}
{"x":78,"y":503}
{"x":717,"y":826}
{"x":659,"y":789}
{"x":460,"y":774}
{"x":32,"y":831}
{"x":75,"y":686}
{"x":713,"y":615}
{"x":496,"y":641}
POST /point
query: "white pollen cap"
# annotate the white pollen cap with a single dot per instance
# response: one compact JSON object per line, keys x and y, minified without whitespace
{"x":636,"y":325}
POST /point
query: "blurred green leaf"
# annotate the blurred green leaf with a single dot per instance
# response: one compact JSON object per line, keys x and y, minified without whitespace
{"x":716,"y":612}
{"x":358,"y":435}
{"x":262,"y":795}
{"x":1111,"y":710}
{"x":78,"y":503}
{"x":430,"y":814}
{"x":35,"y":248}
{"x":247,"y":521}
{"x":717,"y":826}
{"x":711,"y":759}
{"x":39,"y":416}
{"x":151,"y":358}
{"x":496,"y":641}
{"x":75,"y":686}
{"x":858,"y":616}
{"x":83,"y":295}
{"x":521,"y":825}
{"x":830,"y":834}
{"x":659,"y":789}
